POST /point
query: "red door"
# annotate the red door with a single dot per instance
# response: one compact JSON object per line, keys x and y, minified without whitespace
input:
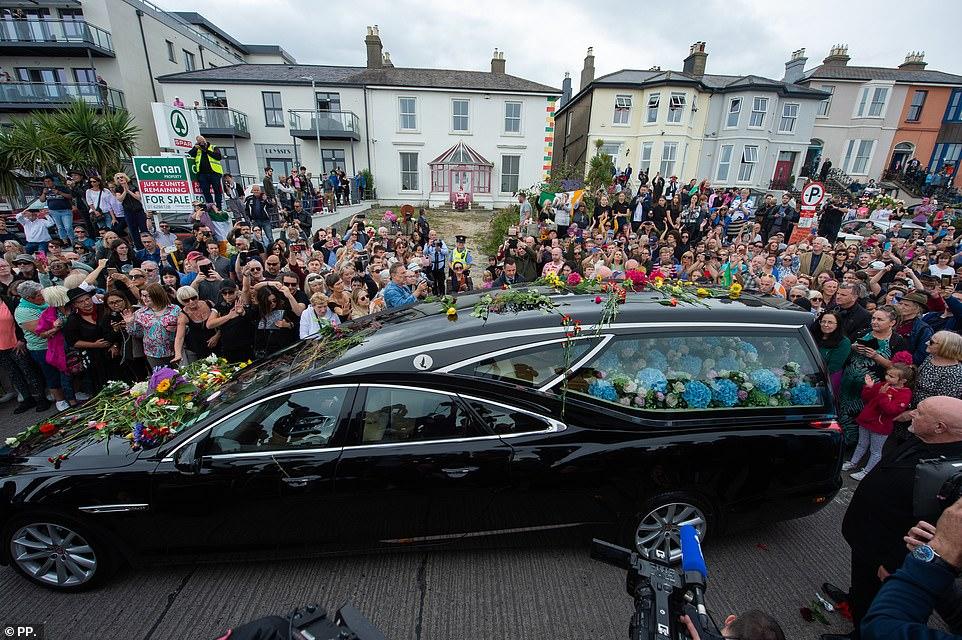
{"x":783,"y":170}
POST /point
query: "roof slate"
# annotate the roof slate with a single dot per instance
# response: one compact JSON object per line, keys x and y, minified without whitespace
{"x":846,"y":72}
{"x":362,"y":76}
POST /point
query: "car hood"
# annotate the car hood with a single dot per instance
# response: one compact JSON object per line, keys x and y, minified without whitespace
{"x":81,"y":453}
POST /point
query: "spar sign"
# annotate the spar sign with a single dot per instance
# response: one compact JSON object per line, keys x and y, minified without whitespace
{"x":177,"y":128}
{"x":164,"y":183}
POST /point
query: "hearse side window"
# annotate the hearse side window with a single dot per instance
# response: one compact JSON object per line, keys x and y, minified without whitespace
{"x":534,"y":366}
{"x":394,"y":414}
{"x":703,"y":371}
{"x":300,"y":420}
{"x":504,"y":421}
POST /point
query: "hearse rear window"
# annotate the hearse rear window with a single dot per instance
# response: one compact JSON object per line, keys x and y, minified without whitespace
{"x":702,"y":371}
{"x":532,"y":366}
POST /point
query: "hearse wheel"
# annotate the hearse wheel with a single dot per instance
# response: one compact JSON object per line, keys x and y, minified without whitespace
{"x":56,"y":552}
{"x":657,"y":524}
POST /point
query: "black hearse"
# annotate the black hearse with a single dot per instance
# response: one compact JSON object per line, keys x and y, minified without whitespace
{"x":421,"y":427}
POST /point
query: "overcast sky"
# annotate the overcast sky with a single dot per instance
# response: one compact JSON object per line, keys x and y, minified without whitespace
{"x":542,"y":40}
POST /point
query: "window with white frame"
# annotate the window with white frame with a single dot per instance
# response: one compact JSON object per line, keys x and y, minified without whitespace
{"x":409,"y":171}
{"x":459,"y":114}
{"x":512,"y":117}
{"x":645,"y":160}
{"x":407,"y":113}
{"x":510,"y":173}
{"x":871,"y":102}
{"x":669,"y":150}
{"x":724,"y":162}
{"x":825,"y":104}
{"x":789,"y":117}
{"x":746,"y":169}
{"x":653,"y":101}
{"x":676,"y":107}
{"x":858,"y":155}
{"x":734,"y":111}
{"x":759,"y":109}
{"x":622,"y":109}
{"x":613,"y":149}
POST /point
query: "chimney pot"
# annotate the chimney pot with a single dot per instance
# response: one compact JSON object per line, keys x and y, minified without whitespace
{"x":497,"y":62}
{"x":914,"y":61}
{"x":588,"y":72}
{"x":837,"y":56}
{"x":697,"y":60}
{"x":375,"y":50}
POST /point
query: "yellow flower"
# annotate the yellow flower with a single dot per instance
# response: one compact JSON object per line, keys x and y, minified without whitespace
{"x":163,"y":385}
{"x":703,"y":292}
{"x":735,"y":290}
{"x":659,"y":281}
{"x":452,"y":311}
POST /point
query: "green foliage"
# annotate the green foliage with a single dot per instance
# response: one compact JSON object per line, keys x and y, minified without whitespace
{"x":76,"y":137}
{"x":600,"y":170}
{"x":498,"y":229}
{"x":368,"y":181}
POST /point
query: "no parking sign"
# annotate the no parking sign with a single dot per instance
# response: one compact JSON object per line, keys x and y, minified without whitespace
{"x":812,"y":195}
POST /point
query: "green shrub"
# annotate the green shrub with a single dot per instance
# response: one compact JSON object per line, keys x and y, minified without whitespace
{"x":498,"y":229}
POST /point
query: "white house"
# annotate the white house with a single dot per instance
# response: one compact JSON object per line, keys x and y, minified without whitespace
{"x":423,"y":133}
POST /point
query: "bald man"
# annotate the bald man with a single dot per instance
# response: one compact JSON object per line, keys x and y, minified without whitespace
{"x":881,"y":509}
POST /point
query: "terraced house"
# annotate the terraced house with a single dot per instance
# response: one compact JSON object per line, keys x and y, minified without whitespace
{"x":733,"y":130}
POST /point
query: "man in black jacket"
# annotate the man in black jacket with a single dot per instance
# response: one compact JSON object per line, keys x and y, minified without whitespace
{"x":509,"y":275}
{"x":881,"y":510}
{"x":856,"y":319}
{"x":831,"y":219}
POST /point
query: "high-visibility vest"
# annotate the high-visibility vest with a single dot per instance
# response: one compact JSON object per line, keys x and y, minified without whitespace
{"x":459,"y":256}
{"x":214,"y":163}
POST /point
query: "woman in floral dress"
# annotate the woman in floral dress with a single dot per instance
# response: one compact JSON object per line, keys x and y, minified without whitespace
{"x":156,"y":324}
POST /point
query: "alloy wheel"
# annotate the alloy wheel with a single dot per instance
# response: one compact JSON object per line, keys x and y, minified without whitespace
{"x":659,"y":529}
{"x":53,"y":554}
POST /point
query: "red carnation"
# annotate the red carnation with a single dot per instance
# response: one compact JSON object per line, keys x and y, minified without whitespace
{"x":597,"y":299}
{"x":47,"y":428}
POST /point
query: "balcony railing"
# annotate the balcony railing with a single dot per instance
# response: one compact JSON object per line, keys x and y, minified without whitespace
{"x":223,"y":121}
{"x":39,"y":95}
{"x":330,"y":125}
{"x":31,"y":36}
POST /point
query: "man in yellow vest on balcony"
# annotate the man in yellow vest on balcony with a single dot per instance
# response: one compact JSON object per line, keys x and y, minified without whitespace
{"x":206,"y":158}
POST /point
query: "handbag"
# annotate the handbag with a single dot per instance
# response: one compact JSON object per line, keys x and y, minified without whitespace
{"x":77,"y":360}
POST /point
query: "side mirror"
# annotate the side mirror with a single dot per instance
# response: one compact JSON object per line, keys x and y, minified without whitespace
{"x":186,"y":459}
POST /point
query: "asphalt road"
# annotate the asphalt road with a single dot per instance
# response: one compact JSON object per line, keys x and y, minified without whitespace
{"x":528,"y":589}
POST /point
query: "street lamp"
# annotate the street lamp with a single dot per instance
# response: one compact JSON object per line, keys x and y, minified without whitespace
{"x":317,"y":124}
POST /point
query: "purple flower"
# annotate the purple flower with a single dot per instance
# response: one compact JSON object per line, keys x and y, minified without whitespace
{"x":164,"y":373}
{"x":742,"y":394}
{"x":660,"y":396}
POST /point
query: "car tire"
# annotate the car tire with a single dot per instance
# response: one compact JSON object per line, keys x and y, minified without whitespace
{"x":655,"y":524}
{"x":67,"y":554}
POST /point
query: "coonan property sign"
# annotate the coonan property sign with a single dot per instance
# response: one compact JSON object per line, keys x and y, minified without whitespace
{"x":164,"y":183}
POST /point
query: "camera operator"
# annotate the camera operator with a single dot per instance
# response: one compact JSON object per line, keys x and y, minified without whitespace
{"x":752,"y":625}
{"x":881,"y":510}
{"x":397,"y":293}
{"x":925,"y":581}
{"x":437,"y":253}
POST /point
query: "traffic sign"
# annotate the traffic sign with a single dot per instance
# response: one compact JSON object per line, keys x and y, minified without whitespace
{"x":164,"y":183}
{"x":177,"y":128}
{"x":813,"y":194}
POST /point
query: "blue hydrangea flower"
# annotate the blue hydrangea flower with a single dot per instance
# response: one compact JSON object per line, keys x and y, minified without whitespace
{"x":766,"y":381}
{"x":711,"y":341}
{"x":696,"y":394}
{"x":725,"y":393}
{"x":676,"y":343}
{"x":656,"y":359}
{"x":728,"y":363}
{"x":748,"y":347}
{"x":650,"y":378}
{"x":603,"y":389}
{"x":609,"y":361}
{"x":805,"y":395}
{"x":690,"y":363}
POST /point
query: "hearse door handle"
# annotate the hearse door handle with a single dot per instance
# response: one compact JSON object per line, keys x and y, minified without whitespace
{"x":299,"y":482}
{"x":458,"y":473}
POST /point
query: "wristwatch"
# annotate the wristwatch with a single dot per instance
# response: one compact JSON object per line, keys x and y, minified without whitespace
{"x":926,"y":554}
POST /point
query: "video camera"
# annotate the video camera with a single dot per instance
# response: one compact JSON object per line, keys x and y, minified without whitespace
{"x":662,"y":593}
{"x":310,"y":623}
{"x":938,"y":484}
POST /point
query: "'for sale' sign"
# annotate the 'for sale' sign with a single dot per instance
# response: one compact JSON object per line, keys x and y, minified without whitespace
{"x":164,"y":183}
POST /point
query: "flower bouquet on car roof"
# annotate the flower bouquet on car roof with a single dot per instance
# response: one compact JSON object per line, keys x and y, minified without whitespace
{"x":146,"y":413}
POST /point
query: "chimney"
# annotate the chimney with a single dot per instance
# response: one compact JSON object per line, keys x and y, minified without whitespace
{"x":565,"y":90}
{"x":838,"y":56}
{"x":696,"y":60}
{"x":386,"y":61}
{"x":375,"y":58}
{"x":588,"y":73}
{"x":497,"y":62}
{"x":654,"y":67}
{"x":795,"y":68}
{"x":914,"y":61}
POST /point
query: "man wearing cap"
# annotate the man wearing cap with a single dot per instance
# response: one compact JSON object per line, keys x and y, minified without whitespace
{"x":26,"y":268}
{"x":915,"y":330}
{"x":460,"y":253}
{"x":190,"y":268}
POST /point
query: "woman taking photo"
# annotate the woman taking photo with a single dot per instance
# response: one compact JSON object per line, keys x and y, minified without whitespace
{"x":120,"y":258}
{"x":193,"y":340}
{"x":833,"y":345}
{"x":85,"y":331}
{"x":128,"y":357}
{"x":339,"y":300}
{"x":277,"y":323}
{"x":156,"y":324}
{"x":235,"y":320}
{"x":871,"y":355}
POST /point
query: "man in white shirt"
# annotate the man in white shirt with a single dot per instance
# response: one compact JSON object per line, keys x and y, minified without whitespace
{"x":35,"y":229}
{"x":524,"y":208}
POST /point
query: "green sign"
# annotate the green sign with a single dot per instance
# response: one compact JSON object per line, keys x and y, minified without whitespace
{"x":179,"y":123}
{"x":164,"y":183}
